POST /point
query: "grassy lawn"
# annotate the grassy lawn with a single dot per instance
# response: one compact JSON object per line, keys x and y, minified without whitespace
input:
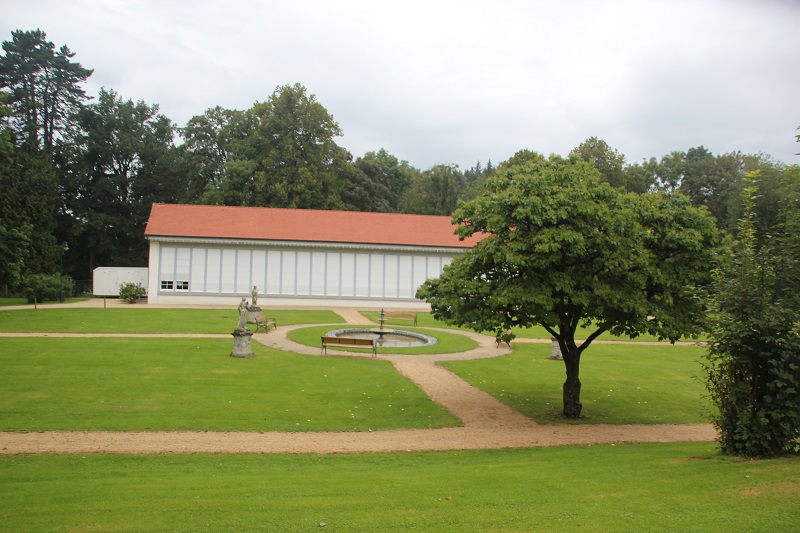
{"x":676,"y":487}
{"x":622,"y":384}
{"x":5,"y":302}
{"x":13,"y":301}
{"x":535,"y":332}
{"x":448,"y":342}
{"x":193,"y":384}
{"x":143,"y":320}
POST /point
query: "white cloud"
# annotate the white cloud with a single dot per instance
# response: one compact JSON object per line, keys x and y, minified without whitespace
{"x":459,"y":81}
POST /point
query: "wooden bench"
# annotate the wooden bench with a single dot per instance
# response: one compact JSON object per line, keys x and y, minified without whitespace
{"x":347,"y":341}
{"x":399,"y":315}
{"x":262,"y":322}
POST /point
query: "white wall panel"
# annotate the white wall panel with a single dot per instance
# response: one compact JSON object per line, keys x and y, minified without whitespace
{"x":182,"y":264}
{"x":288,"y":272}
{"x":273,"y":272}
{"x":228,"y":273}
{"x":167,"y":263}
{"x":348,"y":274}
{"x":197,"y":279}
{"x":434,"y":267}
{"x":362,"y":275}
{"x":259,"y":270}
{"x":376,"y":262}
{"x":406,"y":277}
{"x":213,"y":270}
{"x":420,"y":271}
{"x":332,"y":274}
{"x":318,"y":266}
{"x":390,"y":280}
{"x":303,"y":286}
{"x":243,"y":271}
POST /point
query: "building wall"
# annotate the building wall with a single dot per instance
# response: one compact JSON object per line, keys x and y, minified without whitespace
{"x":290,"y":271}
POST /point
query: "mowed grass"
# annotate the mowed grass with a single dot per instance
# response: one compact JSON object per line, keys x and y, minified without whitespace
{"x":448,"y":342}
{"x":668,"y":487}
{"x":193,"y":384}
{"x":144,"y":320}
{"x":621,"y":383}
{"x":534,"y":332}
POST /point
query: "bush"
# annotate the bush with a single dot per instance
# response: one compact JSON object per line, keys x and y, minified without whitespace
{"x":753,"y":373}
{"x":131,"y":291}
{"x":47,"y":287}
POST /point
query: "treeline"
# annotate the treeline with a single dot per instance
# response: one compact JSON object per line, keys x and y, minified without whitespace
{"x":78,"y":174}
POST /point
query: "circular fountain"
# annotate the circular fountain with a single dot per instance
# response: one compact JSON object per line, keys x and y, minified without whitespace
{"x":386,"y":338}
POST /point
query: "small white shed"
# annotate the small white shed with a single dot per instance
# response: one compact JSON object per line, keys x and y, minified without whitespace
{"x":106,"y":280}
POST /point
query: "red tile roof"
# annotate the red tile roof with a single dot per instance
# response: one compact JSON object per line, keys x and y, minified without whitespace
{"x":308,"y":225}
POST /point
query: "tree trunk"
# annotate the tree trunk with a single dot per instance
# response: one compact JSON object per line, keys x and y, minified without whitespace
{"x":572,"y":386}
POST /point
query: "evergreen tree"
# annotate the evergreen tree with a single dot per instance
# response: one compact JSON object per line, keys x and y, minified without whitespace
{"x":44,"y":85}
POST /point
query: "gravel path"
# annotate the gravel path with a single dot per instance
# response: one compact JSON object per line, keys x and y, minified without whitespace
{"x":487,"y":423}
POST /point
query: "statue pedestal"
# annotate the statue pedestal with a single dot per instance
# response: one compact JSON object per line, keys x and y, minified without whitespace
{"x":252,"y":312}
{"x":241,"y":343}
{"x":555,"y":351}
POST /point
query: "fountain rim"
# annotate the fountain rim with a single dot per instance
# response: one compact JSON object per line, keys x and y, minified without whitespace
{"x":427,"y":340}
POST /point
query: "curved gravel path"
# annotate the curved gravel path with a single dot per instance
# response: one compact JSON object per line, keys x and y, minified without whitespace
{"x":487,"y":422}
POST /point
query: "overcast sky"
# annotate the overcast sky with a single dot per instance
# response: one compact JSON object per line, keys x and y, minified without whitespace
{"x":441,"y":81}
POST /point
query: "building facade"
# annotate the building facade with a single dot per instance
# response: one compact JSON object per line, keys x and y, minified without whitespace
{"x":217,"y":254}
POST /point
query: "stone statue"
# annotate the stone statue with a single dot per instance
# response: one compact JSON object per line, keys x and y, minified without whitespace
{"x":255,"y":296}
{"x":242,"y":315}
{"x":241,"y":335}
{"x":555,"y":351}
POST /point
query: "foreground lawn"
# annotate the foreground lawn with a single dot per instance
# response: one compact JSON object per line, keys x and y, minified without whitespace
{"x":143,"y":320}
{"x":448,"y":342}
{"x":677,"y":487}
{"x":622,"y":384}
{"x":194,"y":384}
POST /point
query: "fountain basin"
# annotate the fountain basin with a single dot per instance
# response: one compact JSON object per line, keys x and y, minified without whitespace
{"x":387,"y":338}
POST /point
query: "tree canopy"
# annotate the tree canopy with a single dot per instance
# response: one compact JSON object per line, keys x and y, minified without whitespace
{"x":44,"y":85}
{"x":562,"y":248}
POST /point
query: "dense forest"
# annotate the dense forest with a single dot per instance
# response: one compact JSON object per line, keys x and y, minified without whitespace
{"x":79,"y":173}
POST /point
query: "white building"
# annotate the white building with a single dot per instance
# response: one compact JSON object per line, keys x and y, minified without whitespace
{"x":203,"y":254}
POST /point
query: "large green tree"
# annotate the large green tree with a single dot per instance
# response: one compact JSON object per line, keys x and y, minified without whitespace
{"x":121,"y":160}
{"x":387,"y":173}
{"x":562,"y":248}
{"x":435,"y":191}
{"x":297,"y":157}
{"x":44,"y":84}
{"x":608,"y":161}
{"x":207,"y":148}
{"x":40,"y":89}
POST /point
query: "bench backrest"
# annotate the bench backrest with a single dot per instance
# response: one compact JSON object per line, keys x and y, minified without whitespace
{"x":347,"y":340}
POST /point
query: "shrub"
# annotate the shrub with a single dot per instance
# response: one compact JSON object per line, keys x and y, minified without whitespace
{"x":131,"y":291}
{"x":44,"y":287}
{"x":753,"y":373}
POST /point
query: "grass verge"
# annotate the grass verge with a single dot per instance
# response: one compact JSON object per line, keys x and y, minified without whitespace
{"x":448,"y":342}
{"x":675,"y":487}
{"x":622,"y":383}
{"x":138,"y":320}
{"x":534,"y":332}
